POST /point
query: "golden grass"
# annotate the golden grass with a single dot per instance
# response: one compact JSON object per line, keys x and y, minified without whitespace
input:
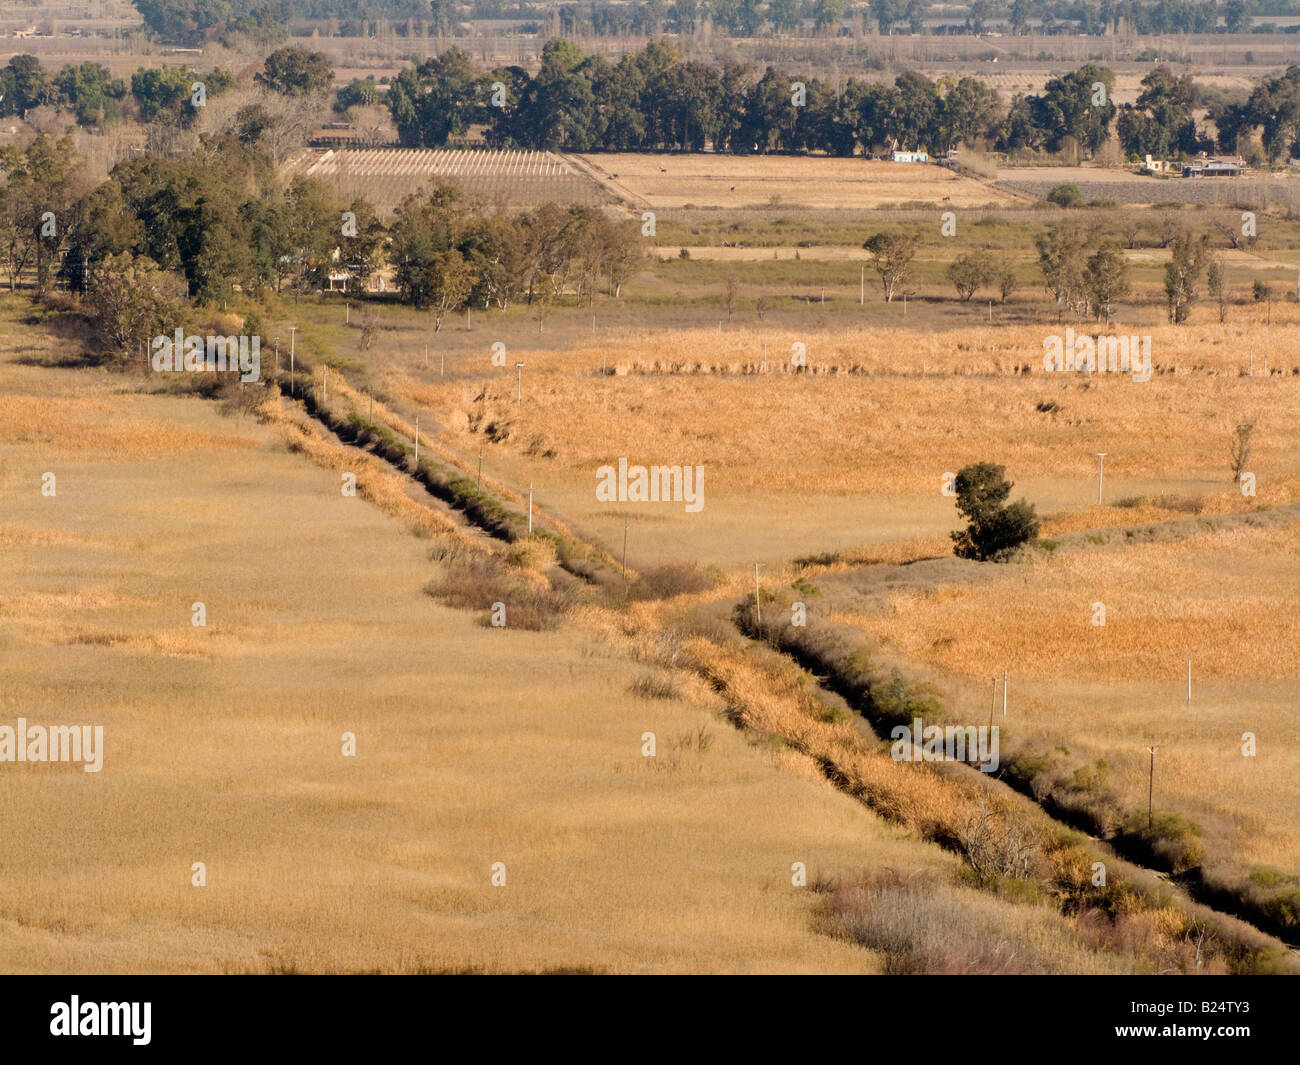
{"x":769,"y":697}
{"x":67,"y":426}
{"x":850,"y":458}
{"x":894,"y":432}
{"x":1165,"y":603}
{"x":474,"y":746}
{"x":477,"y":745}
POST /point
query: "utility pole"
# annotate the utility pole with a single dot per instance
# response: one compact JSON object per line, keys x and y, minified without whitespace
{"x":1101,"y":457}
{"x":758,"y":605}
{"x":293,"y":336}
{"x":519,"y":384}
{"x":1151,"y":785}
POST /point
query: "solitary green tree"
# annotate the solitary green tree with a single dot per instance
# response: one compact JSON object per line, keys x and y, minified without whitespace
{"x":994,"y":527}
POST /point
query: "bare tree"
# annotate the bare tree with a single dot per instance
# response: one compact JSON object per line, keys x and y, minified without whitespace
{"x":1004,"y":276}
{"x":996,"y":843}
{"x":374,"y":125}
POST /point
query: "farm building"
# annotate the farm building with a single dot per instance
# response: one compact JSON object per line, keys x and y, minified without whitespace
{"x":910,"y":157}
{"x":1214,"y":166}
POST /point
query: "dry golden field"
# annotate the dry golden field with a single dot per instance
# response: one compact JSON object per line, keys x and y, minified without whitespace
{"x":854,"y":451}
{"x":474,"y":745}
{"x":670,"y":181}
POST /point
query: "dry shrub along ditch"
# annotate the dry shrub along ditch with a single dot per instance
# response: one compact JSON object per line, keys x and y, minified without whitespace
{"x":1079,"y":794}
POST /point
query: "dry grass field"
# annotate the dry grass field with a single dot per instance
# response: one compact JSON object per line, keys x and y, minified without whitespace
{"x":474,"y":745}
{"x":854,"y":451}
{"x":477,"y":717}
{"x":674,"y":181}
{"x":477,"y":745}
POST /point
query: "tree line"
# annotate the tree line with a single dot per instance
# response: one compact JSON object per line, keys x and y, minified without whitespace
{"x":97,"y":98}
{"x":193,"y":22}
{"x":656,"y":99}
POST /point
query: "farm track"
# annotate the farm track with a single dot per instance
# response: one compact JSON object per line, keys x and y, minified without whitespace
{"x":626,"y":197}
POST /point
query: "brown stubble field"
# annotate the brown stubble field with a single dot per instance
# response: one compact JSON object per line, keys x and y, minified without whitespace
{"x":739,"y":182}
